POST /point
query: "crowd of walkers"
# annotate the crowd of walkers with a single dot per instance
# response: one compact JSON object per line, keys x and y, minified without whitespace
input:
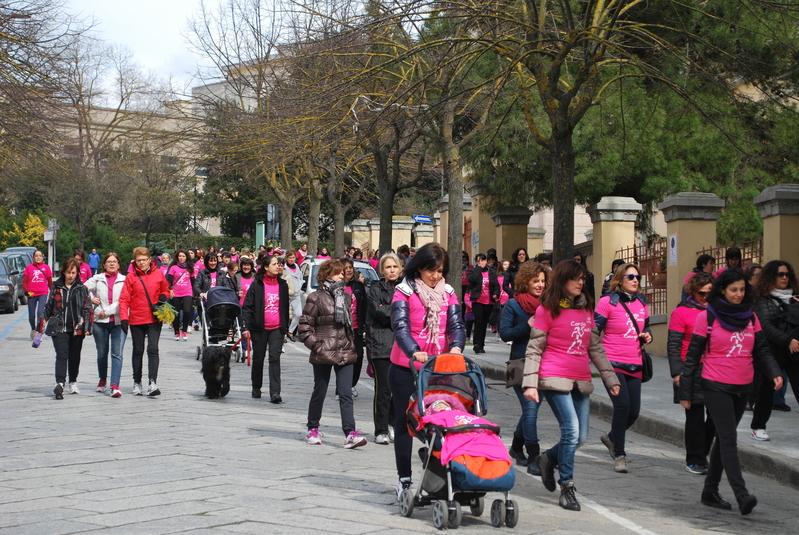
{"x":731,"y":340}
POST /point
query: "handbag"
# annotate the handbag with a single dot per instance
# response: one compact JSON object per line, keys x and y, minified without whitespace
{"x":514,"y":373}
{"x":646,"y":359}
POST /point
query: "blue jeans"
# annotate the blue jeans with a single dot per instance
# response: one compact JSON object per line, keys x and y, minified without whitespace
{"x":527,"y":428}
{"x":109,"y":335}
{"x":36,"y":310}
{"x":779,"y":395}
{"x":572,"y":410}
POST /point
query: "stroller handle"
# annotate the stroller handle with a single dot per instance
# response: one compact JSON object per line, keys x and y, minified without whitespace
{"x":466,"y":428}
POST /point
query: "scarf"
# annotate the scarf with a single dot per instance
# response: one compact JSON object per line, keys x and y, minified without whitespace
{"x":527,"y":302}
{"x":432,"y":300}
{"x":342,"y":314}
{"x":181,"y":265}
{"x":783,"y":295}
{"x":270,"y":279}
{"x":732,"y":317}
{"x":111,"y":276}
{"x":695,"y":304}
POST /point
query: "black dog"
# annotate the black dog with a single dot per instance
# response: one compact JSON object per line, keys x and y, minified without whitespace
{"x":216,"y":371}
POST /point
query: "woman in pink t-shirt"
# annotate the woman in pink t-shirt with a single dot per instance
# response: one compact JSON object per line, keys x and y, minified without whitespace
{"x":563,"y":341}
{"x":622,"y":340}
{"x":180,"y":276}
{"x":699,"y":428}
{"x":728,"y":339}
{"x":484,"y":292}
{"x":37,"y":279}
{"x":85,"y":272}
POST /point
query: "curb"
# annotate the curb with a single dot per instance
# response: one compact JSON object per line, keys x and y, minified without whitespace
{"x":771,"y":466}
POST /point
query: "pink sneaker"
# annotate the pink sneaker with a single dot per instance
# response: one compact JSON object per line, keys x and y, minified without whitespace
{"x":185,"y":336}
{"x":354,"y":440}
{"x":313,"y":436}
{"x":115,"y":391}
{"x":101,"y":386}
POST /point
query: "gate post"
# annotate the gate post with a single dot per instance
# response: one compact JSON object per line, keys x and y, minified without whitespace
{"x":779,"y":208}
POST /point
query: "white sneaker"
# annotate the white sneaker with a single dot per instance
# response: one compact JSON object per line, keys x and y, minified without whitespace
{"x":391,"y":433}
{"x":354,"y":393}
{"x":313,"y":436}
{"x":405,"y":483}
{"x":136,"y":389}
{"x":33,"y":335}
{"x":354,"y":440}
{"x":73,"y":388}
{"x":381,"y":439}
{"x":757,"y":434}
{"x":153,"y":389}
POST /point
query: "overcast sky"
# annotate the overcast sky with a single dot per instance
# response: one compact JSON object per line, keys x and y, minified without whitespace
{"x":152,"y":29}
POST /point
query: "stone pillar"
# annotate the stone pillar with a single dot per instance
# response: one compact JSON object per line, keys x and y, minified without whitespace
{"x":401,"y":226}
{"x":484,"y":236}
{"x":361,"y":235}
{"x":423,"y":234}
{"x":437,"y":227}
{"x":374,"y":233}
{"x":779,"y":208}
{"x":614,"y":229}
{"x":511,"y":229}
{"x":690,"y":226}
{"x":535,"y":241}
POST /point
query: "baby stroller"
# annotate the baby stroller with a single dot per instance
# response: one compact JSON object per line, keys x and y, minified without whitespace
{"x":455,"y":474}
{"x":219,"y":315}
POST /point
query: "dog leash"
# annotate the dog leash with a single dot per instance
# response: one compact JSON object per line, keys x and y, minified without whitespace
{"x":249,"y":349}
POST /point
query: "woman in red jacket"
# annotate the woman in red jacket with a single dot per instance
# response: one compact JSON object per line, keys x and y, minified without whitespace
{"x":144,"y":288}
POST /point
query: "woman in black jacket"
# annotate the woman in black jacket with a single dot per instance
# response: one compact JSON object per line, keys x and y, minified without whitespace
{"x":357,"y":292}
{"x":484,"y":291}
{"x":209,"y":277}
{"x":380,"y":338}
{"x":265,"y":319}
{"x":518,"y":258}
{"x":67,"y":318}
{"x":777,"y":286}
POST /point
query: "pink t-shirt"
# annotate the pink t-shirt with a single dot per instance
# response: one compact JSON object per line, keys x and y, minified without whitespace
{"x":36,"y":277}
{"x":213,"y":275}
{"x":503,"y":296}
{"x":181,"y":281}
{"x":728,"y":355}
{"x":682,"y":320}
{"x":198,"y":266}
{"x":85,"y":272}
{"x":416,"y":316}
{"x":374,"y":262}
{"x":245,"y":285}
{"x":234,"y":258}
{"x":271,"y":305}
{"x":164,"y":269}
{"x":110,"y":280}
{"x":619,"y":337}
{"x":323,"y":257}
{"x":568,"y":338}
{"x":485,"y":297}
{"x":353,"y":307}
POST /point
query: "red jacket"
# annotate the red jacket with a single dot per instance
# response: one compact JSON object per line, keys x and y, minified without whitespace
{"x":133,"y":304}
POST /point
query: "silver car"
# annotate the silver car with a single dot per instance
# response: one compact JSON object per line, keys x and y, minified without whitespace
{"x":310,"y":268}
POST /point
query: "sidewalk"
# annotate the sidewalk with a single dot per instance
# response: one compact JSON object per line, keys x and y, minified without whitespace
{"x":660,"y":418}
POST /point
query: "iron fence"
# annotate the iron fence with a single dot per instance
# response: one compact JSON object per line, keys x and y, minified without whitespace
{"x":751,"y":252}
{"x":651,"y":261}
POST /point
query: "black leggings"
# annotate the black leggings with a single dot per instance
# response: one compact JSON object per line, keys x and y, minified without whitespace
{"x":382,"y":406}
{"x":626,"y":408}
{"x":402,"y":386}
{"x":183,"y":304}
{"x":481,"y":314}
{"x":765,"y":395}
{"x":726,"y":411}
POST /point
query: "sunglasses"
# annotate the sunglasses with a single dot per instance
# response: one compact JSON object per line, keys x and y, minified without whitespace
{"x":703,"y":294}
{"x":577,"y":279}
{"x":782,"y":274}
{"x":632,"y":277}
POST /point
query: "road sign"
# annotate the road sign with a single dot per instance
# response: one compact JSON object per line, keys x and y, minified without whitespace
{"x":53,"y":225}
{"x":48,"y":235}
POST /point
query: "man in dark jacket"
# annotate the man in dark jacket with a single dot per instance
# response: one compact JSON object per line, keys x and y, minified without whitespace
{"x":265,"y":319}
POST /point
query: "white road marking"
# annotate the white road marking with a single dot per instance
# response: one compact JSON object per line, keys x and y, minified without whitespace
{"x":613,"y":517}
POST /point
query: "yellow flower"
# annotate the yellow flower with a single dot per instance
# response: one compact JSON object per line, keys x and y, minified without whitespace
{"x":166,"y":313}
{"x":564,"y":303}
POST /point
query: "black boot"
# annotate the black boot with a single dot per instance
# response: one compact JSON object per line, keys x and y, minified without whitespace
{"x":516,"y":451}
{"x":533,"y":450}
{"x":746,"y":503}
{"x":714,"y":499}
{"x":567,"y":498}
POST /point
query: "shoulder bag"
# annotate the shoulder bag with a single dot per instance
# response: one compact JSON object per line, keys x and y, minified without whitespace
{"x":646,"y":359}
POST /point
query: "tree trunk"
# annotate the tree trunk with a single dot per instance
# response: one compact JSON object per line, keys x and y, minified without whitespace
{"x":339,"y":214}
{"x":386,"y":205}
{"x":561,"y":153}
{"x":452,"y":178}
{"x":286,"y":232}
{"x":315,"y":212}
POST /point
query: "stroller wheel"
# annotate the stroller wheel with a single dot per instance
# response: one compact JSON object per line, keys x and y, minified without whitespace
{"x":477,"y":506}
{"x":440,"y":514}
{"x":497,"y":513}
{"x":406,"y":503}
{"x":511,"y":513}
{"x":455,"y":516}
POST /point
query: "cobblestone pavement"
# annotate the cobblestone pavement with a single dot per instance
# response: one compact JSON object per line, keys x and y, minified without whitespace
{"x":180,"y":463}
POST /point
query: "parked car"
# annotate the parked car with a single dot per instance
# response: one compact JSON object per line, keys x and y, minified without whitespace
{"x":26,"y":252}
{"x":10,"y":280}
{"x":310,"y":267}
{"x":16,"y":262}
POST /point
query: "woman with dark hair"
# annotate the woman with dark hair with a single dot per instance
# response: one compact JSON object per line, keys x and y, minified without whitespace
{"x":514,"y":327}
{"x":733,"y":261}
{"x":85,"y":272}
{"x":699,"y":428}
{"x":589,"y":278}
{"x":326,"y":329}
{"x":728,"y":339}
{"x":180,"y":277}
{"x":484,"y":291}
{"x":380,"y":338}
{"x":208,"y":278}
{"x":324,"y":254}
{"x":622,"y":340}
{"x":357,"y":292}
{"x":518,"y":258}
{"x":68,"y":304}
{"x":426,"y":319}
{"x":37,"y":279}
{"x":265,"y":320}
{"x":563,"y":340}
{"x":106,"y":288}
{"x":704,"y":264}
{"x":752,"y":272}
{"x":776,"y":290}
